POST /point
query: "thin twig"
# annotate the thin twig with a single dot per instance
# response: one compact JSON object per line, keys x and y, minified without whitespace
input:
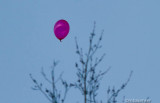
{"x":44,"y":75}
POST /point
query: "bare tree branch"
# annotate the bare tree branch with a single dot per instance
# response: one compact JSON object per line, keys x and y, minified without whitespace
{"x":88,"y":79}
{"x":39,"y":87}
{"x":54,"y":96}
{"x":44,"y":75}
{"x":114,"y":93}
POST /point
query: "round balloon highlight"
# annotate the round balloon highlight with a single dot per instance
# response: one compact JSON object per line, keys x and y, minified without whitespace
{"x":61,"y":29}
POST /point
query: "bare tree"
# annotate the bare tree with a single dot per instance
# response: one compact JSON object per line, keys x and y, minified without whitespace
{"x":89,"y":78}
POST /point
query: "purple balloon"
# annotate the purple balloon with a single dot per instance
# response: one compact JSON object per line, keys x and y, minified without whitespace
{"x":61,"y":29}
